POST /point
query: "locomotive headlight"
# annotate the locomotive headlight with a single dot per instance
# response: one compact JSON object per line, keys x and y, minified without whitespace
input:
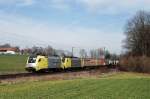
{"x":31,"y":65}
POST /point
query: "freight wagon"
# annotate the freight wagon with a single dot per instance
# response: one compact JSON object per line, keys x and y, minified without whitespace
{"x":37,"y":63}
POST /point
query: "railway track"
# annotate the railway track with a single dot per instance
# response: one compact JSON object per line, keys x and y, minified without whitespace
{"x":21,"y":75}
{"x":8,"y":76}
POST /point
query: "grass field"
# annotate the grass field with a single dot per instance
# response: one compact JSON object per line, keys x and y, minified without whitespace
{"x":115,"y":86}
{"x":12,"y":63}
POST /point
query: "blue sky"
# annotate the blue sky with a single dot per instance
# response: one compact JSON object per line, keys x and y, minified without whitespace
{"x":66,"y":23}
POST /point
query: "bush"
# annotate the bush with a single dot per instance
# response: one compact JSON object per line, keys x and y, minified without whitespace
{"x":136,"y":64}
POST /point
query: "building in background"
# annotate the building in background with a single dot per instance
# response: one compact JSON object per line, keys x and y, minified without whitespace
{"x":11,"y":50}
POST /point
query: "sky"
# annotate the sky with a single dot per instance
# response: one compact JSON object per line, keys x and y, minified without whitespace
{"x":67,"y":23}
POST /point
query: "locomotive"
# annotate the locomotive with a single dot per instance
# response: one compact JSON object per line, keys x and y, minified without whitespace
{"x":39,"y":62}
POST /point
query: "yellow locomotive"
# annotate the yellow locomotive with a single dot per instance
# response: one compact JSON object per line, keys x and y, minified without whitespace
{"x":37,"y":63}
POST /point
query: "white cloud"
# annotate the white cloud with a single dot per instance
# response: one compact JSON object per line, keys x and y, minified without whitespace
{"x":70,"y":35}
{"x":110,"y":7}
{"x":17,"y":2}
{"x":99,"y":6}
{"x":59,"y":36}
{"x":27,"y":2}
{"x":93,"y":6}
{"x":59,"y":4}
{"x":114,"y":6}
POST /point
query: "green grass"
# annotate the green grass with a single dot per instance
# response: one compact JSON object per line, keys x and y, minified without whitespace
{"x":115,"y":86}
{"x":12,"y":63}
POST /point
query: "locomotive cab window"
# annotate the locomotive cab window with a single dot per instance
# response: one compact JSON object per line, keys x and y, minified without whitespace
{"x":31,"y":60}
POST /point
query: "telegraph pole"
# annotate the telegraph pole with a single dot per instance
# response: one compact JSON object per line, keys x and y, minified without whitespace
{"x":72,"y":50}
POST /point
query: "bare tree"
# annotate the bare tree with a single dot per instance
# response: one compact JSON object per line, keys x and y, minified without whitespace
{"x":35,"y":50}
{"x":97,"y":53}
{"x":17,"y":48}
{"x":107,"y":55}
{"x":60,"y":52}
{"x":93,"y":54}
{"x":26,"y":51}
{"x":50,"y":51}
{"x":83,"y":53}
{"x":5,"y":45}
{"x":137,"y":33}
{"x":100,"y":53}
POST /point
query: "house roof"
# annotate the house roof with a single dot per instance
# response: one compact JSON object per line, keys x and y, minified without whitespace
{"x":9,"y":49}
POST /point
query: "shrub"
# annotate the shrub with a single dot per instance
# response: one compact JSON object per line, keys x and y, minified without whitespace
{"x":136,"y":64}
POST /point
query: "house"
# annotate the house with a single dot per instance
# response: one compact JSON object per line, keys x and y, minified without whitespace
{"x":11,"y":50}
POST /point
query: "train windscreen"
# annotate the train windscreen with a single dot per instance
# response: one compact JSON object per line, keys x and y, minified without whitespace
{"x":32,"y":59}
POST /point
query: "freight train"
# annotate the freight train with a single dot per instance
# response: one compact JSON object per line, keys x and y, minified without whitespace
{"x":38,"y":63}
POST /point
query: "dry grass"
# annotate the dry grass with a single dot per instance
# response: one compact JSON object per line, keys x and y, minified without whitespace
{"x":60,"y":76}
{"x":137,"y":64}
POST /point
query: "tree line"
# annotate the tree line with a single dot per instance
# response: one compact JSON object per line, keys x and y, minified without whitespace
{"x":50,"y":51}
{"x":137,"y":43}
